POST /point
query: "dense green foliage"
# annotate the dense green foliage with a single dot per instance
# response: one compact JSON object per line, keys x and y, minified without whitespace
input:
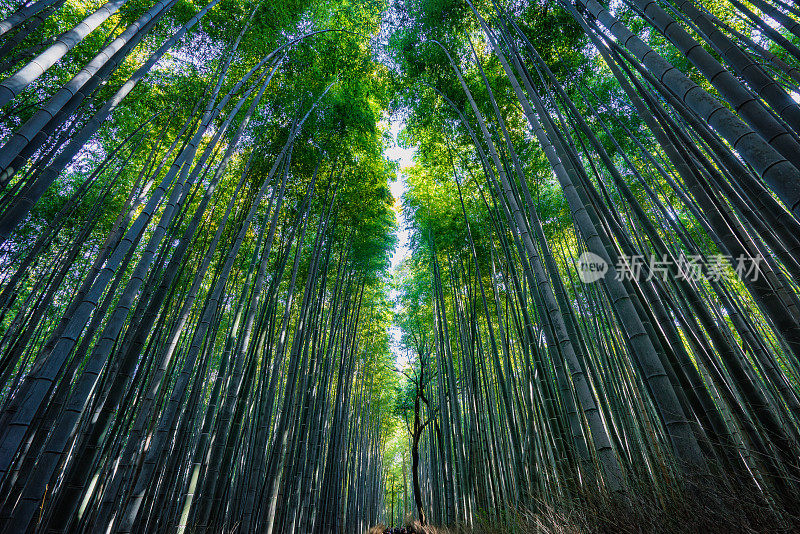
{"x":206,"y":323}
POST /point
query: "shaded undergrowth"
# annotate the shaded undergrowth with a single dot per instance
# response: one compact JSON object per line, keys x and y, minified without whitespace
{"x":719,"y":507}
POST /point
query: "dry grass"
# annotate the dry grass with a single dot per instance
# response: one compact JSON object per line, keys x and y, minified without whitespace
{"x":714,"y":509}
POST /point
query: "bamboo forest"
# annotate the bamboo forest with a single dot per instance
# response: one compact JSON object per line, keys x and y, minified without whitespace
{"x":399,"y":266}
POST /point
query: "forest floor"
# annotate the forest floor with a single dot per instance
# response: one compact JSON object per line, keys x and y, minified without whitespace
{"x":709,"y":515}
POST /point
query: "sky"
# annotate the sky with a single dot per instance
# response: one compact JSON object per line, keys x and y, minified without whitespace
{"x":398,"y":187}
{"x":404,"y":157}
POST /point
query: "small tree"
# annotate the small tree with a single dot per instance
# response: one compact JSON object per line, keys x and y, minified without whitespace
{"x":414,"y":318}
{"x":417,"y":381}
